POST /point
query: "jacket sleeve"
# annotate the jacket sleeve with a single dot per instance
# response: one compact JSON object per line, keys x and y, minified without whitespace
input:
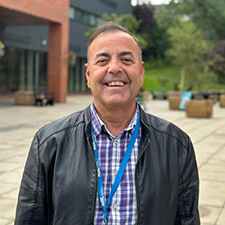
{"x":187,"y":211}
{"x":31,"y":207}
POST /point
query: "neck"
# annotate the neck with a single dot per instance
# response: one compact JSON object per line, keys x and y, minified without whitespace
{"x":116,"y":119}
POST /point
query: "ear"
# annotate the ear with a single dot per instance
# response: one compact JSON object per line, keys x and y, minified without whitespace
{"x":87,"y":73}
{"x":142,"y":72}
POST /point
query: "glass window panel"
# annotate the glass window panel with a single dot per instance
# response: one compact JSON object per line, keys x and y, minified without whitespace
{"x":42,"y":69}
{"x":3,"y":72}
{"x":22,"y":70}
{"x":83,"y":16}
{"x":92,"y":19}
{"x":12,"y":75}
{"x":30,"y":70}
{"x":71,"y":13}
{"x":78,"y":15}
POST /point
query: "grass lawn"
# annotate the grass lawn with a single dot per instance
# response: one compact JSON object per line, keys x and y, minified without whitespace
{"x":172,"y":73}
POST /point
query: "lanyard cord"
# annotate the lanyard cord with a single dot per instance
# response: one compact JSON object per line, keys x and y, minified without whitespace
{"x":120,"y":172}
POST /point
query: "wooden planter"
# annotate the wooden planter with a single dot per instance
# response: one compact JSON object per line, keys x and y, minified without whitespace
{"x":174,"y":102}
{"x":199,"y":108}
{"x":24,"y":98}
{"x":214,"y":98}
{"x":174,"y":94}
{"x":222,"y":100}
{"x":144,"y":95}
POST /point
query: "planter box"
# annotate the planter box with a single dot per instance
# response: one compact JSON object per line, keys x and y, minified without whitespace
{"x":199,"y":108}
{"x":174,"y":102}
{"x":144,"y":95}
{"x":174,"y":94}
{"x":24,"y":98}
{"x":222,"y":100}
{"x":214,"y":98}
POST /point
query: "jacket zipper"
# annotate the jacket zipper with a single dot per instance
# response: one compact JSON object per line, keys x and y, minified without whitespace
{"x":135,"y":175}
{"x":93,"y":213}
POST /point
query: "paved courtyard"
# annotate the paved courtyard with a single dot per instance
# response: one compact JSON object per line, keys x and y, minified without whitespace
{"x":18,"y":125}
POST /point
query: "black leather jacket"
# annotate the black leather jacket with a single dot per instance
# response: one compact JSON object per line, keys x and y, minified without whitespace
{"x":59,"y":185}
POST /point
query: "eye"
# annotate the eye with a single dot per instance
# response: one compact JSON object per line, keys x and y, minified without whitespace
{"x":102,"y":61}
{"x":127,"y":61}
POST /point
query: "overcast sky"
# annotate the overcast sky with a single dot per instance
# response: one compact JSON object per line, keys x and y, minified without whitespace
{"x":153,"y":2}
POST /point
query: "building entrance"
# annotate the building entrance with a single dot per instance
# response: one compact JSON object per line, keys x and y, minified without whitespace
{"x":22,"y":70}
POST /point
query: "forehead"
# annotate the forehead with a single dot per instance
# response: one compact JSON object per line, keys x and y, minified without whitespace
{"x":115,"y":40}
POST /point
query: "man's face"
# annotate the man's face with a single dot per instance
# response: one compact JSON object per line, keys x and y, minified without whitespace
{"x":114,"y":72}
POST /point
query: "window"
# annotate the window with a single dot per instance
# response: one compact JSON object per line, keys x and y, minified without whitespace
{"x":82,"y":16}
{"x":110,"y":3}
{"x":18,"y":68}
{"x":72,"y":13}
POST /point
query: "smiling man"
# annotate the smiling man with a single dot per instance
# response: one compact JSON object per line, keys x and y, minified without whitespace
{"x":114,"y":74}
{"x":111,"y":163}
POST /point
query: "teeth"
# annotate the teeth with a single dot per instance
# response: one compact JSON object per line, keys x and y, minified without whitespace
{"x":116,"y":83}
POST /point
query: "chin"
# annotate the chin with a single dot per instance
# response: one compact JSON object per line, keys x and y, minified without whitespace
{"x":118,"y":102}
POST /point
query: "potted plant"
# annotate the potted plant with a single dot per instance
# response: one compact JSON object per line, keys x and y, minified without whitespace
{"x":72,"y":58}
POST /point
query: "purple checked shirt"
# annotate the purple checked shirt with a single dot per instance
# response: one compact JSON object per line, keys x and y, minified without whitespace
{"x":123,"y":207}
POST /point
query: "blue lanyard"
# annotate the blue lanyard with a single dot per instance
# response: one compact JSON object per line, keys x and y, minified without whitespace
{"x":120,"y":172}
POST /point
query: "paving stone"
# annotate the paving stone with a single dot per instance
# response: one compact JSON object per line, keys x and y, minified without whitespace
{"x":221,"y":220}
{"x":219,"y":158}
{"x":217,"y":168}
{"x":7,"y":208}
{"x":5,"y":221}
{"x":209,"y":214}
{"x":212,"y":186}
{"x":211,"y":198}
{"x":11,"y":177}
{"x":13,"y":194}
{"x":7,"y":187}
{"x":211,"y":175}
{"x":6,"y":166}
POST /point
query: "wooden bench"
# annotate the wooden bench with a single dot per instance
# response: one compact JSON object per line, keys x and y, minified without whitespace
{"x":158,"y":94}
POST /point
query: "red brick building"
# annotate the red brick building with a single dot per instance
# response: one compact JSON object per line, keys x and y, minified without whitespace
{"x":55,"y":14}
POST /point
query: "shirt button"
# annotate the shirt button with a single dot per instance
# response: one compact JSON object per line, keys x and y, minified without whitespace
{"x":116,"y":143}
{"x":115,"y":173}
{"x":114,"y":207}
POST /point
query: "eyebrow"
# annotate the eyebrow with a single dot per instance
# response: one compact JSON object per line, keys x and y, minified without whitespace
{"x":104,"y":54}
{"x":126,"y":53}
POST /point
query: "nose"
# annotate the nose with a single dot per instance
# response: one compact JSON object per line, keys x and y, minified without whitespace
{"x":114,"y":67}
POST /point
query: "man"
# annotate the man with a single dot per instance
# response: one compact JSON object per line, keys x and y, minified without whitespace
{"x":111,"y":163}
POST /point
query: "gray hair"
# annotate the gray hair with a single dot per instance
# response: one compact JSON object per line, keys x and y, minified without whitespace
{"x":111,"y":26}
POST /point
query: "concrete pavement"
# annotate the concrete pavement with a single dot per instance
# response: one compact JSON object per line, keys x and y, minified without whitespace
{"x":18,"y":125}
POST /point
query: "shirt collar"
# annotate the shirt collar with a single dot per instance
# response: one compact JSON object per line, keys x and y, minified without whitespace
{"x":98,"y":124}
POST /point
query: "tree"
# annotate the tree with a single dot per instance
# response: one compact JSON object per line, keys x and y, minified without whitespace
{"x":208,"y":15}
{"x":189,"y":50}
{"x":217,"y":60}
{"x":169,"y":15}
{"x":149,"y":30}
{"x":145,"y":16}
{"x":128,"y":21}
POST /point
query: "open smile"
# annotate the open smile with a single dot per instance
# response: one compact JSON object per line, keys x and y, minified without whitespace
{"x":116,"y":84}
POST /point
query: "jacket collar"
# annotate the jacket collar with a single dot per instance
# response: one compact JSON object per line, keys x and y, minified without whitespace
{"x":144,"y":123}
